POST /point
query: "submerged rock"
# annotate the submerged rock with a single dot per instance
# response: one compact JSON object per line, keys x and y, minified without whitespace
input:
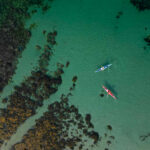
{"x":147,"y":39}
{"x":74,"y":79}
{"x":67,"y":63}
{"x":38,"y":47}
{"x":94,"y":135}
{"x":109,"y":127}
{"x":101,"y":95}
{"x":141,"y":4}
{"x":54,"y":129}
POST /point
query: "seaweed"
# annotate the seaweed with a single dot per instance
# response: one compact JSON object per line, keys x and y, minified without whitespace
{"x":144,"y":137}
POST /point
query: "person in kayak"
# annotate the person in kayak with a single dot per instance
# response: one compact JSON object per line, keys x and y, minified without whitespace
{"x":108,"y":92}
{"x":102,"y":68}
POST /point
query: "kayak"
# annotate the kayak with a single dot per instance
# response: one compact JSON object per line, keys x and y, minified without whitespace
{"x":108,"y":92}
{"x":103,"y":68}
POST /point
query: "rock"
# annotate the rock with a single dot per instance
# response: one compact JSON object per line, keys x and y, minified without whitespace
{"x":38,"y":47}
{"x":88,"y":118}
{"x":141,"y":4}
{"x":119,"y":14}
{"x":108,"y":142}
{"x":147,"y":39}
{"x":51,"y":37}
{"x":44,"y":31}
{"x":101,"y":95}
{"x":67,"y":64}
{"x":2,"y":119}
{"x":74,"y":79}
{"x":5,"y":100}
{"x":94,"y":135}
{"x":109,"y":127}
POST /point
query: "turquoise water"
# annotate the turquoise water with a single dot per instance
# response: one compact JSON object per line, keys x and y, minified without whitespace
{"x":89,"y":34}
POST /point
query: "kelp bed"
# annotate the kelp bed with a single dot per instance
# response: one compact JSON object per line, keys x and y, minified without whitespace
{"x":62,"y":126}
{"x":14,"y":35}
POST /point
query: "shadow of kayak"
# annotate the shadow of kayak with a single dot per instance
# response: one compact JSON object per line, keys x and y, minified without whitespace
{"x":111,"y":88}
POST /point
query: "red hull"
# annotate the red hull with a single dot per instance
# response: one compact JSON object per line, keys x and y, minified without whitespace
{"x":108,"y":92}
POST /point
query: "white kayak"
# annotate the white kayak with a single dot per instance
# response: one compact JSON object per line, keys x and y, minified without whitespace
{"x":103,"y":68}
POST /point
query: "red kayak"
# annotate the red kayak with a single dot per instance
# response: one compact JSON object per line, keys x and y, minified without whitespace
{"x":108,"y":92}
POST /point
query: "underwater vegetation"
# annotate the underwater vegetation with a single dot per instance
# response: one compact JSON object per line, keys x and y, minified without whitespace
{"x":141,"y":4}
{"x":14,"y":35}
{"x":62,"y":126}
{"x":28,"y":96}
{"x":147,"y":39}
{"x":119,"y":14}
{"x":144,"y":137}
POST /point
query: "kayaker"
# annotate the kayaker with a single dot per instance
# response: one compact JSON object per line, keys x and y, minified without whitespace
{"x":109,"y":92}
{"x":102,"y":68}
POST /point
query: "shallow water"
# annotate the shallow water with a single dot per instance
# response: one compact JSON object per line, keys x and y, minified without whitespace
{"x":90,"y":35}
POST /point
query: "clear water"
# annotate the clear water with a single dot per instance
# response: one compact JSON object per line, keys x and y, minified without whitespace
{"x":89,"y":35}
